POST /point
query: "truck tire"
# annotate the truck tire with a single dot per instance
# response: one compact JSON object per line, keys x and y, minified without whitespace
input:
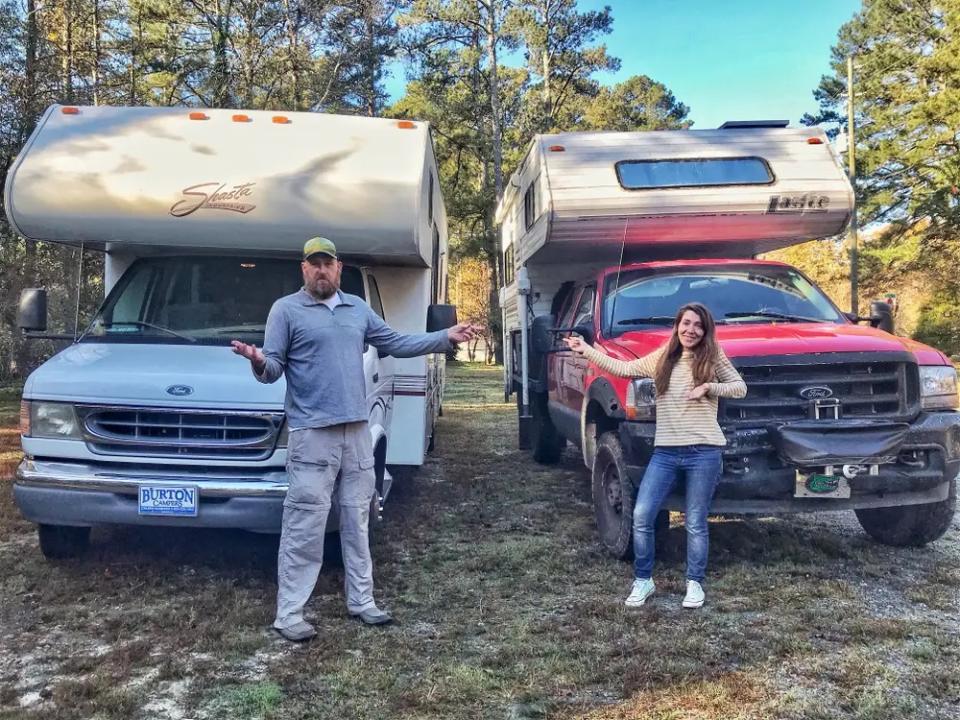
{"x":909,"y":525}
{"x":613,"y":497}
{"x":58,"y":542}
{"x":545,"y":440}
{"x":613,"y":501}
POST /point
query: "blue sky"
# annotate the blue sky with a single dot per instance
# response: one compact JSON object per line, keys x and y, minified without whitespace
{"x":725,"y":59}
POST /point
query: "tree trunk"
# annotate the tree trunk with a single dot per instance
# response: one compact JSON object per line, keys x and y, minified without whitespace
{"x":96,"y":52}
{"x":490,"y":232}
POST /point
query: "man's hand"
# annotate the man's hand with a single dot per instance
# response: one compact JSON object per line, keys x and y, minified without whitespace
{"x":698,"y":392}
{"x":251,"y":353}
{"x":463,"y":332}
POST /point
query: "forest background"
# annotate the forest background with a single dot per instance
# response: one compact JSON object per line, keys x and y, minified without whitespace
{"x":488,"y":75}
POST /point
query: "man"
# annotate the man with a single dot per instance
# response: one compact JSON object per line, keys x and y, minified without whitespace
{"x":316,"y":338}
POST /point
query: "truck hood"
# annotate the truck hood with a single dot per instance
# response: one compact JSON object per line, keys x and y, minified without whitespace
{"x":133,"y":374}
{"x":758,"y":340}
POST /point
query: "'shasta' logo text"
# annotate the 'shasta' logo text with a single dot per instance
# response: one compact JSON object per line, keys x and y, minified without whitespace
{"x":212,"y":196}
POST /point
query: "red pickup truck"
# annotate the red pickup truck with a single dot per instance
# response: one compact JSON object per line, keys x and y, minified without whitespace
{"x":837,"y":415}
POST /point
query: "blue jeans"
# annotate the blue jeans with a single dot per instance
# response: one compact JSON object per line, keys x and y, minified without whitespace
{"x":700,"y":465}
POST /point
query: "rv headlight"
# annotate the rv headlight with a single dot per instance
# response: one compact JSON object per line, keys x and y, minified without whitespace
{"x":641,"y":399}
{"x":938,"y":387}
{"x":53,"y":420}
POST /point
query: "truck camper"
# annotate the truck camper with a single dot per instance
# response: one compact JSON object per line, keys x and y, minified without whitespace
{"x":607,"y":234}
{"x":148,"y":417}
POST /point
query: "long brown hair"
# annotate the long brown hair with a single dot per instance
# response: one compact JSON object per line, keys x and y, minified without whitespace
{"x":704,"y":354}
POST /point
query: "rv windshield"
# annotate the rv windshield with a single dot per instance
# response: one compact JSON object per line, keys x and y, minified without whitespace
{"x":734,"y":294}
{"x":206,"y":300}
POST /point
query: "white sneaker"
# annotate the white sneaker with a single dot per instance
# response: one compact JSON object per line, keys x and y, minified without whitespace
{"x":642,"y":589}
{"x":695,"y":596}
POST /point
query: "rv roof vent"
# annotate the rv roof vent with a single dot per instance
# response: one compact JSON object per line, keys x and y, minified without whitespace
{"x":752,"y":124}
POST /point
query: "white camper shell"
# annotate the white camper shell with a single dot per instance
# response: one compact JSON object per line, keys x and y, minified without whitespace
{"x":583,"y":201}
{"x":216,"y":204}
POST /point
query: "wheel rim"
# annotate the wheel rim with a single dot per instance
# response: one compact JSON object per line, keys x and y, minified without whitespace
{"x":611,"y":501}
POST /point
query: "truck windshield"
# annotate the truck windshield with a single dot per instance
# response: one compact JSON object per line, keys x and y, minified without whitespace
{"x":648,"y":298}
{"x":206,"y":300}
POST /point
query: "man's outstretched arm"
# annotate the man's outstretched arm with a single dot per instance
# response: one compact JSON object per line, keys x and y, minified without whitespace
{"x":268,"y":364}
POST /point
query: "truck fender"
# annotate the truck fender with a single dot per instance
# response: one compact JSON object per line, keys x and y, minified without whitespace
{"x":602,"y":410}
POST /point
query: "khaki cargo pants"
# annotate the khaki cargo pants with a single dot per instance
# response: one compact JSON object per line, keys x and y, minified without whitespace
{"x":325,"y":465}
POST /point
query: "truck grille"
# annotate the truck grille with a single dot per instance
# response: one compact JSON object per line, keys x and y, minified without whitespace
{"x":195,"y":434}
{"x":866,"y":385}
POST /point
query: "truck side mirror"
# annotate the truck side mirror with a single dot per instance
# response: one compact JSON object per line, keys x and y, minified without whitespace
{"x":541,"y":333}
{"x":881,"y":316}
{"x":32,"y":310}
{"x":441,"y":317}
{"x":585,"y":330}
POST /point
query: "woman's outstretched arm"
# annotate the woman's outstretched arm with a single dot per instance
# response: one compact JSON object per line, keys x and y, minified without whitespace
{"x":641,"y":367}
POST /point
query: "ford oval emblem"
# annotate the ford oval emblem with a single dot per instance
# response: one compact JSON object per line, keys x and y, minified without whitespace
{"x":180,"y":390}
{"x":816,"y":392}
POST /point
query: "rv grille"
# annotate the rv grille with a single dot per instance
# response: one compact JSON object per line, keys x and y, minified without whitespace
{"x":886,"y":389}
{"x":195,"y":434}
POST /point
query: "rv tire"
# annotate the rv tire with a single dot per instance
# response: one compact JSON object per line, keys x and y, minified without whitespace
{"x":58,"y":542}
{"x":910,"y":525}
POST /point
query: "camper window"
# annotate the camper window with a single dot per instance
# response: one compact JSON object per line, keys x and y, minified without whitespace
{"x":508,"y":265}
{"x":530,"y":212}
{"x":693,"y":172}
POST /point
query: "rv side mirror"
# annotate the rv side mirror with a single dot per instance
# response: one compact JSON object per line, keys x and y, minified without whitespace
{"x":881,"y":316}
{"x":32,"y":311}
{"x":441,"y":317}
{"x":585,"y":330}
{"x":541,"y":333}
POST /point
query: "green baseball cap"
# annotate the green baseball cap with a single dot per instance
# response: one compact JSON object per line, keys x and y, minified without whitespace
{"x":319,"y":245}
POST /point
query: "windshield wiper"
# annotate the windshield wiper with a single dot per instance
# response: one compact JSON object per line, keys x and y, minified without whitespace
{"x":654,"y":320}
{"x":774,"y":315}
{"x":141,"y":323}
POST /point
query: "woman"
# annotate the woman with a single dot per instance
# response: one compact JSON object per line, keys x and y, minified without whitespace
{"x":690,"y":372}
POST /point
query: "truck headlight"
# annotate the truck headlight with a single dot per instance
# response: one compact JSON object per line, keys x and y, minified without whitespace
{"x":938,"y":387}
{"x":52,"y":420}
{"x":641,"y":399}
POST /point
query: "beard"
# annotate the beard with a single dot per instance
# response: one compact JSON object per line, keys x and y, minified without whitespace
{"x":322,"y":289}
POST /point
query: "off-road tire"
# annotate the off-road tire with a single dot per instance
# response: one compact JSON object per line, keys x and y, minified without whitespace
{"x":613,"y":500}
{"x":910,"y":525}
{"x":58,"y":542}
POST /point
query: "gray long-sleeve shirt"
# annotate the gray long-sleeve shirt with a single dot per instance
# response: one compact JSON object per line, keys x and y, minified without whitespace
{"x":321,"y":352}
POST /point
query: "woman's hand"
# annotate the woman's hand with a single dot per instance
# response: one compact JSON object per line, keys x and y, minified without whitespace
{"x":698,"y":392}
{"x":576,"y":344}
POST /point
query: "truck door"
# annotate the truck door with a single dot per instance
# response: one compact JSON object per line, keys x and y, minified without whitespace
{"x":575,"y":372}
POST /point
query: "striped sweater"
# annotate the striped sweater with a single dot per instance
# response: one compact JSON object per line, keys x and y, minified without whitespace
{"x":680,"y":421}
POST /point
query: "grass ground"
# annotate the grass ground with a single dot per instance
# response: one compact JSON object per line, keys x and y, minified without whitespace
{"x":506,"y":608}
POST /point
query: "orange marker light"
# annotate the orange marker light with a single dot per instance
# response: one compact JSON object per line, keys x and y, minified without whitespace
{"x":281,"y":119}
{"x":405,"y":124}
{"x":814,"y":141}
{"x":557,"y":148}
{"x":198,"y":116}
{"x":240,"y":118}
{"x":25,"y":418}
{"x":70,"y":110}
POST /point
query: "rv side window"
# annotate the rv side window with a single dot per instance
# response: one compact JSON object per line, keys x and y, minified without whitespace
{"x":435,"y":274}
{"x":351,"y":281}
{"x":508,"y":265}
{"x":375,"y":303}
{"x":693,"y":172}
{"x":530,"y":204}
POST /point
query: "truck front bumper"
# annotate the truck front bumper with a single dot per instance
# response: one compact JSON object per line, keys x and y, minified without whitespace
{"x":756,"y":480}
{"x":68,"y":493}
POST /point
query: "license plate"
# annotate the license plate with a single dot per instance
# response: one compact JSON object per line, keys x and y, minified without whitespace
{"x":823,"y":484}
{"x":167,"y":500}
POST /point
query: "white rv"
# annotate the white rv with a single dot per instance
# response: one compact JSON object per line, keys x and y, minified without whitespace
{"x":202,"y":216}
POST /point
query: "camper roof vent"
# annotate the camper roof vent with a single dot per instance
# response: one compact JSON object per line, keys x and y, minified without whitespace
{"x":753,"y":124}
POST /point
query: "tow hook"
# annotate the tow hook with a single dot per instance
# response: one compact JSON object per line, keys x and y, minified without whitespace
{"x":851,"y":471}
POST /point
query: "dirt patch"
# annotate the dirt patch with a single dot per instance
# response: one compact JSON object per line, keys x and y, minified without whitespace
{"x":506,"y":608}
